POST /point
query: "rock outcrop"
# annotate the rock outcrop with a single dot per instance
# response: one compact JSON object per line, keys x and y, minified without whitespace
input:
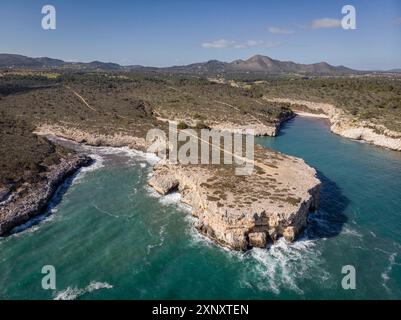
{"x":31,"y":200}
{"x":93,"y":139}
{"x":241,"y":212}
{"x":254,"y":126}
{"x":345,"y":125}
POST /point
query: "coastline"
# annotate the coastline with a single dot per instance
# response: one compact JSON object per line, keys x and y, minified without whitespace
{"x":22,"y":205}
{"x":345,"y":126}
{"x":311,"y":115}
{"x":233,"y":218}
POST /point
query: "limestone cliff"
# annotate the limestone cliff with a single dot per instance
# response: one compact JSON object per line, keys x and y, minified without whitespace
{"x":345,"y":125}
{"x":241,"y":212}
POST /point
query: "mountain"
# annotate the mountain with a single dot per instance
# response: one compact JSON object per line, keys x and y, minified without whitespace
{"x":257,"y":64}
{"x":18,"y":61}
{"x":265,"y":64}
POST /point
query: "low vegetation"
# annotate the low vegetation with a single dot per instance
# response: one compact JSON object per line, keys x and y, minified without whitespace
{"x":377,"y":99}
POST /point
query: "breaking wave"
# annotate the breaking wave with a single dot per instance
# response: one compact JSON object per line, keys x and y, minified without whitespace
{"x":282,"y":266}
{"x":75,"y":293}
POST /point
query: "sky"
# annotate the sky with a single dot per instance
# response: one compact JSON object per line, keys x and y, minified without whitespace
{"x":177,"y":32}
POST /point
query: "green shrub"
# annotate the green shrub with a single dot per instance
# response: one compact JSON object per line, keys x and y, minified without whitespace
{"x":182,"y":125}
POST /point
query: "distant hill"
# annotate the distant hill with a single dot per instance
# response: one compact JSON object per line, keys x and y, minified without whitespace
{"x":18,"y":61}
{"x":264,"y":64}
{"x":257,"y":64}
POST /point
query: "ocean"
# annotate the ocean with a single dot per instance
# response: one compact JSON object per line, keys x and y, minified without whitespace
{"x":109,"y":236}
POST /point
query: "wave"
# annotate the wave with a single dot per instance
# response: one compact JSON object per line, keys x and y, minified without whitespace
{"x":171,"y":198}
{"x":74,"y":293}
{"x":104,"y":211}
{"x":351,"y":232}
{"x":162,"y":232}
{"x":386,"y":273}
{"x":97,"y":164}
{"x":283,"y":265}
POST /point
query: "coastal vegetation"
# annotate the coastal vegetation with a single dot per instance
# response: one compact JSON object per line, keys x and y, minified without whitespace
{"x":108,"y":103}
{"x":376,"y":99}
{"x":127,"y":105}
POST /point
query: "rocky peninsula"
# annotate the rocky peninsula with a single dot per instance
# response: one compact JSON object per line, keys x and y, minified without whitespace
{"x":241,"y":212}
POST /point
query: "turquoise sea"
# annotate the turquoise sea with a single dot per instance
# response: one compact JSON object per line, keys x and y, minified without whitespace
{"x":110,"y":237}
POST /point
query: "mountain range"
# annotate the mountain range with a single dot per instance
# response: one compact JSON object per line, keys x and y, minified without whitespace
{"x":257,"y":64}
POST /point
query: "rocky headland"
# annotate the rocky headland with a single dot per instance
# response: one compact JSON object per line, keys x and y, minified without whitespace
{"x":241,"y":212}
{"x":29,"y":200}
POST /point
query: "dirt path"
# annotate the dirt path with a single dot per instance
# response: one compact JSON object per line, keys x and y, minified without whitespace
{"x":240,"y":158}
{"x":80,"y":98}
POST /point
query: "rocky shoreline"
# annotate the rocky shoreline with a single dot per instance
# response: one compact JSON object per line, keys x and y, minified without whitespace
{"x":345,"y":126}
{"x":30,"y":200}
{"x":248,"y":211}
{"x":257,"y":129}
{"x":238,"y":212}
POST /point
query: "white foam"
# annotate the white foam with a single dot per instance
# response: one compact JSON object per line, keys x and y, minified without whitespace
{"x":351,"y":232}
{"x":171,"y":198}
{"x":74,"y":293}
{"x":386,"y":274}
{"x":283,"y":264}
{"x":162,"y":232}
{"x":32,"y":224}
{"x":98,"y":155}
{"x":104,"y":211}
{"x":150,"y":158}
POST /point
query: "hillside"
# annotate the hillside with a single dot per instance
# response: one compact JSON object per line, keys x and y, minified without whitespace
{"x":257,"y":64}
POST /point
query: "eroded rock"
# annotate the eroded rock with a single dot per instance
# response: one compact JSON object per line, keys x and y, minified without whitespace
{"x":25,"y":205}
{"x":244,"y":211}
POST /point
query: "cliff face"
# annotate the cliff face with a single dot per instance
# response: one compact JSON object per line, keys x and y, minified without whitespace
{"x":31,"y":200}
{"x":241,"y":212}
{"x":93,"y":139}
{"x":374,"y":134}
{"x":344,"y":125}
{"x":258,"y":128}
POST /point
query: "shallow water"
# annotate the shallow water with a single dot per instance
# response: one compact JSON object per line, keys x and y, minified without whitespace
{"x":110,"y":237}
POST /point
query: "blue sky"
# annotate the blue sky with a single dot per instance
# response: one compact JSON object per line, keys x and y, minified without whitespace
{"x":174,"y":32}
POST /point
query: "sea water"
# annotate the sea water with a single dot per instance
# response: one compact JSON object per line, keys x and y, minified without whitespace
{"x":109,"y":236}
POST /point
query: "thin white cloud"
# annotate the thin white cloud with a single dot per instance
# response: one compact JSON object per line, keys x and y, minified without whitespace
{"x":218,"y":44}
{"x":278,"y":30}
{"x":325,"y":23}
{"x":223,"y":44}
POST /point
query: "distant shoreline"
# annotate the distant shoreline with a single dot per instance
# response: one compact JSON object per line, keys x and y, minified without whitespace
{"x":311,"y":115}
